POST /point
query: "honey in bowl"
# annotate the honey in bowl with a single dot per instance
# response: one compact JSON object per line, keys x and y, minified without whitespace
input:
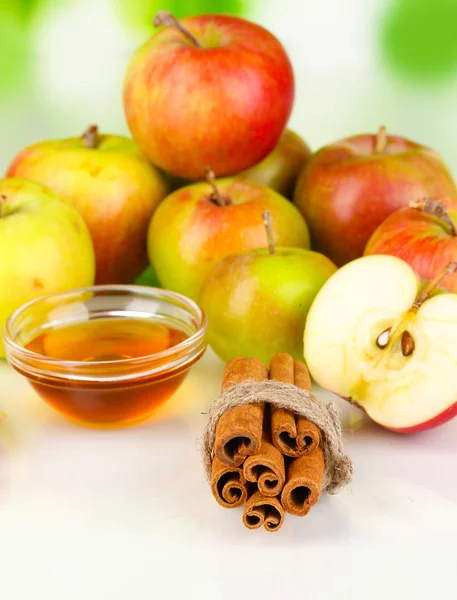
{"x":106,"y":356}
{"x":106,"y":340}
{"x":100,"y":341}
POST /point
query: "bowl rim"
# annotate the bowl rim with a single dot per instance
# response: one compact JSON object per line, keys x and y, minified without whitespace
{"x":188,"y":344}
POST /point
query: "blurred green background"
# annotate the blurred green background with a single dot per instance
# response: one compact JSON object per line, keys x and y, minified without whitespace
{"x":358,"y":64}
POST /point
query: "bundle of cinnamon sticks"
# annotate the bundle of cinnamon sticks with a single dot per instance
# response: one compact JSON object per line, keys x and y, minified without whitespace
{"x":264,"y":457}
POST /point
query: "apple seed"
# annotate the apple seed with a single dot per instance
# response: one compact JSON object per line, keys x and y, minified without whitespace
{"x":383,"y":338}
{"x":407,"y":343}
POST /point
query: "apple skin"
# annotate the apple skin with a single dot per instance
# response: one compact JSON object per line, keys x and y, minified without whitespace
{"x":114,"y":188}
{"x":256,"y":302}
{"x":147,"y":278}
{"x":346,"y":189}
{"x":441,"y":419}
{"x":278,"y":171}
{"x":223,"y":105}
{"x":45,"y":246}
{"x":189,"y":233}
{"x":281,"y":168}
{"x":422,"y":240}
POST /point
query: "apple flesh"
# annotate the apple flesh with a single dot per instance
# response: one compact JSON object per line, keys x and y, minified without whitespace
{"x":348,"y":188}
{"x":281,"y":168}
{"x":45,"y":246}
{"x":192,"y":230}
{"x":111,"y":184}
{"x":257,"y":302}
{"x":218,"y":94}
{"x":425,"y":237}
{"x":374,"y":339}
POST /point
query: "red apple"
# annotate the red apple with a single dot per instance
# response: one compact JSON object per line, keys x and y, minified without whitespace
{"x":111,"y":184}
{"x":377,"y":337}
{"x":278,"y":171}
{"x":424,"y":235}
{"x":210,"y":90}
{"x":281,"y":168}
{"x":348,"y":188}
{"x":200,"y":224}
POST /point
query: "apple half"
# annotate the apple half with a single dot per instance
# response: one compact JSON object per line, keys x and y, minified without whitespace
{"x":375,"y":338}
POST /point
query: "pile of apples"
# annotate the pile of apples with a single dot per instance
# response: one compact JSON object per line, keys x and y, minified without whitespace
{"x":224,"y":202}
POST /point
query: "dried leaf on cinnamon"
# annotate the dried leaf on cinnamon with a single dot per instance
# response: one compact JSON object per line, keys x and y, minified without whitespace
{"x":293,"y":435}
{"x":262,"y":510}
{"x":239,"y":430}
{"x":304,"y":483}
{"x":228,"y":485}
{"x":267,"y":469}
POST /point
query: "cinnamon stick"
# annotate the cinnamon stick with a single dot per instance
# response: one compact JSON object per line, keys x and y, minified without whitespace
{"x":291,"y":434}
{"x":304,"y":483}
{"x":228,"y":485}
{"x":261,"y":510}
{"x":267,"y":469}
{"x":239,"y":430}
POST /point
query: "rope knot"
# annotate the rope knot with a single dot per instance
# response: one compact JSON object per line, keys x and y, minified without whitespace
{"x":338,"y":466}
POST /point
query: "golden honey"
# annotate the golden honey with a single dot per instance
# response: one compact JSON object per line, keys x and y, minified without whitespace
{"x":108,"y":403}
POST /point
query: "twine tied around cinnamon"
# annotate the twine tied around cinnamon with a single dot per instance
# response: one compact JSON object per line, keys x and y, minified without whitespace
{"x":338,"y":466}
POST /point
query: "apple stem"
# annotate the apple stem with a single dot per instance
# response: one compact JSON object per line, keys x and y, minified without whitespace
{"x":2,"y":201}
{"x":216,"y":195}
{"x":163,"y":17}
{"x":381,"y":140}
{"x":268,"y":222}
{"x":422,"y":297}
{"x":90,"y":136}
{"x":437,"y":209}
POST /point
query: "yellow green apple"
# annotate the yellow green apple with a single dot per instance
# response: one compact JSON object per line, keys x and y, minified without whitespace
{"x":257,"y":301}
{"x":147,"y":278}
{"x":199,"y":224}
{"x":112,"y":185}
{"x":281,"y":168}
{"x":45,"y":246}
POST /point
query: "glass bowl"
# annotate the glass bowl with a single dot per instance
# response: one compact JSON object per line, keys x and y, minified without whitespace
{"x":90,"y":353}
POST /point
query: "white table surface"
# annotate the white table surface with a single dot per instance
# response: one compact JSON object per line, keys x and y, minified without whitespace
{"x":126,"y":515}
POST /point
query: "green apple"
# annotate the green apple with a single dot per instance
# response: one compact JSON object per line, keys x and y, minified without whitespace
{"x":199,"y":224}
{"x":112,"y":185}
{"x":147,"y":278}
{"x":45,"y":246}
{"x":281,"y":168}
{"x":376,"y":337}
{"x":257,"y":302}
